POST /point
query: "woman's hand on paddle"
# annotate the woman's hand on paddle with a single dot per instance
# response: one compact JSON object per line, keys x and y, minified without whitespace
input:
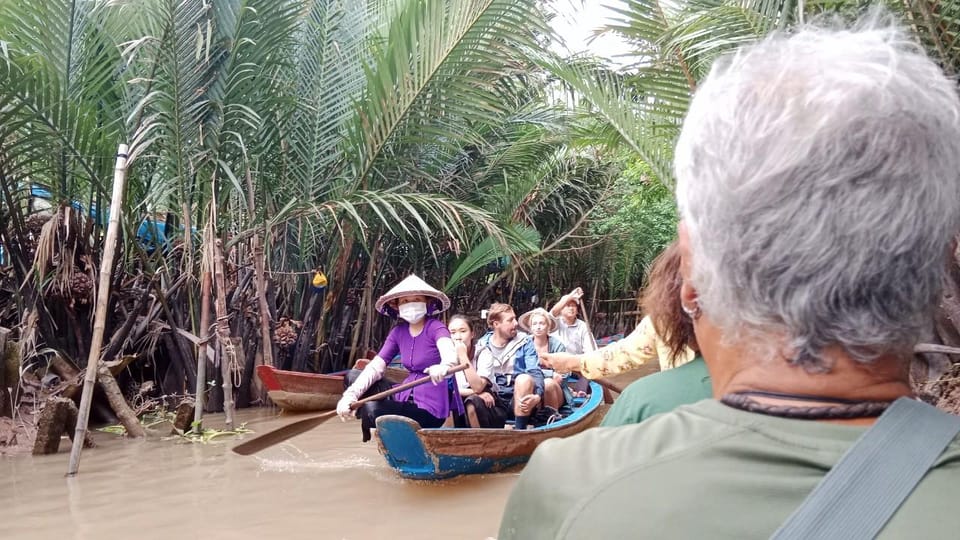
{"x":343,"y":407}
{"x":437,"y":373}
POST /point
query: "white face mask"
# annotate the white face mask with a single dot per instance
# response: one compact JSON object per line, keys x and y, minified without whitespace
{"x":413,"y":312}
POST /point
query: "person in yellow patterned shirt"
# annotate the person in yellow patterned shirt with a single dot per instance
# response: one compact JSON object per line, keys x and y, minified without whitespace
{"x":673,"y":346}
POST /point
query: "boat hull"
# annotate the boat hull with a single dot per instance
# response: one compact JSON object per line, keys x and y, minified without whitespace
{"x":294,"y":391}
{"x":435,"y":454}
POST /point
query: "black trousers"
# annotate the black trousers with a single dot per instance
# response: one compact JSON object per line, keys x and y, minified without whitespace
{"x":491,"y":417}
{"x":369,"y":412}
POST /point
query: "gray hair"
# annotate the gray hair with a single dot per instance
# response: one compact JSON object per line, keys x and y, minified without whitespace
{"x":817,"y":177}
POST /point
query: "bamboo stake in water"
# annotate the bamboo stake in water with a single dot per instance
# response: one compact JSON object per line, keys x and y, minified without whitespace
{"x":228,"y":354}
{"x":260,"y":276}
{"x":100,"y":315}
{"x":205,"y":286}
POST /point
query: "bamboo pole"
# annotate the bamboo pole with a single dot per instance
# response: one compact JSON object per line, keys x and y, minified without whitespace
{"x":100,"y":315}
{"x":260,"y":278}
{"x":228,"y":355}
{"x":202,"y":351}
{"x":368,"y":290}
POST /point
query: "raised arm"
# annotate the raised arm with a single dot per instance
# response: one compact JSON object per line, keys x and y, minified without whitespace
{"x":574,"y":295}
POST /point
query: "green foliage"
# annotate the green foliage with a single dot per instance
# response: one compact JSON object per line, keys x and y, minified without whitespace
{"x":638,"y":222}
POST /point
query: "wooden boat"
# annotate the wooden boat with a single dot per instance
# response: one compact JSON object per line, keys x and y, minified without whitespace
{"x":294,"y":391}
{"x":435,"y":454}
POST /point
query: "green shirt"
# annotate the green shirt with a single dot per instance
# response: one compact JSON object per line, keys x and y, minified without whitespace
{"x":659,"y":393}
{"x":702,"y":471}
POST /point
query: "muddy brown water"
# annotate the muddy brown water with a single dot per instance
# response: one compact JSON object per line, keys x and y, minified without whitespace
{"x":324,"y":484}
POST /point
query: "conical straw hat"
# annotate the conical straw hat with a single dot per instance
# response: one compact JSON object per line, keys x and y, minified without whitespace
{"x":410,"y":286}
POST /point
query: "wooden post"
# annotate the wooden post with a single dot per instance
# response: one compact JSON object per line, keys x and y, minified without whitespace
{"x":228,"y":356}
{"x":204,"y":348}
{"x":100,"y":315}
{"x":260,"y":277}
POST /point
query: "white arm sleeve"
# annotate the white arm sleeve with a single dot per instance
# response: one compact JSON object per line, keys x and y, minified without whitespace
{"x":448,"y":352}
{"x":370,"y":374}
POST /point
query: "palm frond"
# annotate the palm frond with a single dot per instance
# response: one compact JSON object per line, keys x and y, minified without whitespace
{"x":646,"y":123}
{"x":434,"y":75}
{"x":327,"y":80}
{"x":520,"y":240}
{"x":400,"y":212}
{"x":60,"y":94}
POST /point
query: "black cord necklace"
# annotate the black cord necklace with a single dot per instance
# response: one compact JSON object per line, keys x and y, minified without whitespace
{"x":841,"y":408}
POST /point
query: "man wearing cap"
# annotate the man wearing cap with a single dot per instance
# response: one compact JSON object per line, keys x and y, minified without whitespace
{"x":425,"y":348}
{"x":572,"y":331}
{"x":515,"y":381}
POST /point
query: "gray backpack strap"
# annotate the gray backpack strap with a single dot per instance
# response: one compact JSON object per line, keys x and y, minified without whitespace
{"x":872,"y":479}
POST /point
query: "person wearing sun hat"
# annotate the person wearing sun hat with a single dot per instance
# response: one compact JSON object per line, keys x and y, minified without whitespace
{"x":425,"y":348}
{"x":540,"y":324}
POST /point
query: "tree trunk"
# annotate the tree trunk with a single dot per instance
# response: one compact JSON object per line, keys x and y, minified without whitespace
{"x":59,"y":416}
{"x":204,"y":347}
{"x":313,"y":316}
{"x":119,"y":404}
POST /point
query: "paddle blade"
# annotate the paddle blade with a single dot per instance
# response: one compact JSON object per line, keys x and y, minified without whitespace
{"x":279,"y":435}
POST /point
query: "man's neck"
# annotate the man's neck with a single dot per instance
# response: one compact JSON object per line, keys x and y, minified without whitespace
{"x":570,"y":319}
{"x":736,"y":367}
{"x":499,"y":341}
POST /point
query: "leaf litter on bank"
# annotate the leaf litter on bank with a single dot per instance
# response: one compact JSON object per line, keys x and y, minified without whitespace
{"x":154,"y":419}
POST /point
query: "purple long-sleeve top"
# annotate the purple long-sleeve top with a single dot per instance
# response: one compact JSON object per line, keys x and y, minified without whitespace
{"x":417,"y":353}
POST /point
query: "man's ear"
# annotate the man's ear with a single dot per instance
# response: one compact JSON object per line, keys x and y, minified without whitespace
{"x":688,"y":293}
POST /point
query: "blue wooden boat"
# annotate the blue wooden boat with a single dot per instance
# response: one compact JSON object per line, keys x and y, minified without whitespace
{"x":435,"y":454}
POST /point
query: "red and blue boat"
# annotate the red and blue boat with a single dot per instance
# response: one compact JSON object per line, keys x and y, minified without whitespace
{"x":439,"y":453}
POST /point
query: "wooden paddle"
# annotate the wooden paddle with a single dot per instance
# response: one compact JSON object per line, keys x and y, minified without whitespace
{"x":288,"y":431}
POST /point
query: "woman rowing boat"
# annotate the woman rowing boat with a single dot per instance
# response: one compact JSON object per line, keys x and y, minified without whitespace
{"x":425,"y":348}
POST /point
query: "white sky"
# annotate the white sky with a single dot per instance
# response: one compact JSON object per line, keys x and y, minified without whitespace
{"x":578,"y":22}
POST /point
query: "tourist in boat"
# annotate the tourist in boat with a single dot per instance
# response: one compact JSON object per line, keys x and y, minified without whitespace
{"x":425,"y":348}
{"x":663,"y":335}
{"x":573,"y":332}
{"x":461,"y":331}
{"x":469,"y":383}
{"x":511,"y":372}
{"x":540,"y":324}
{"x":818,"y":183}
